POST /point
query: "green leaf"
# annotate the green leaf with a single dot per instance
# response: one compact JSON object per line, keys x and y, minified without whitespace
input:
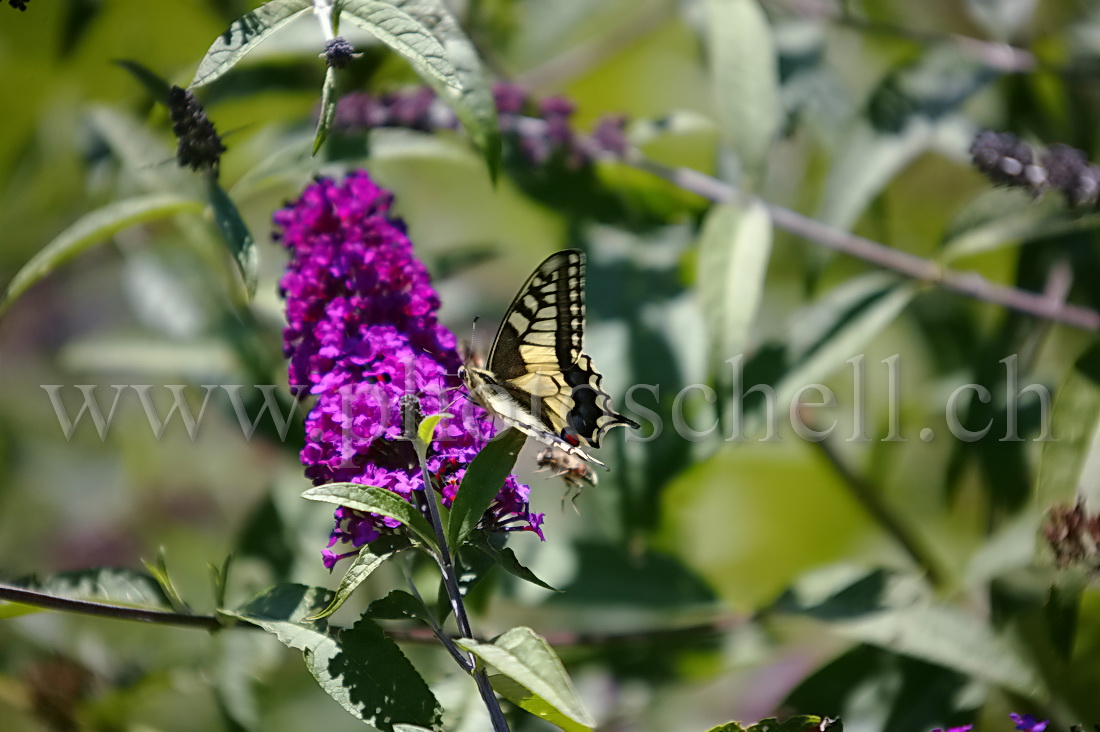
{"x":365,"y":671}
{"x":482,"y":482}
{"x":158,"y":87}
{"x":525,"y":657}
{"x":287,"y":602}
{"x":1073,"y":425}
{"x":398,"y":605}
{"x":838,"y":327}
{"x":506,"y":559}
{"x":746,"y":78}
{"x":426,"y":431}
{"x":522,"y":697}
{"x":359,"y":667}
{"x":867,"y":161}
{"x":371,"y":499}
{"x":159,"y":570}
{"x":886,"y":611}
{"x":220,"y":579}
{"x":734,"y":249}
{"x":235,"y":234}
{"x":370,"y":558}
{"x":406,"y":35}
{"x":911,"y":108}
{"x":1009,"y":217}
{"x":328,"y":109}
{"x":244,"y":34}
{"x":472,"y":100}
{"x":116,"y":586}
{"x":801,"y":723}
{"x":92,"y":229}
{"x":1000,"y":19}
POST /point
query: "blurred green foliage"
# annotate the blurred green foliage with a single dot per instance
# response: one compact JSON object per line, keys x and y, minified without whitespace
{"x":898,"y":583}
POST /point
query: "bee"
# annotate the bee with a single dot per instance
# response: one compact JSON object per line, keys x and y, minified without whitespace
{"x":576,"y":473}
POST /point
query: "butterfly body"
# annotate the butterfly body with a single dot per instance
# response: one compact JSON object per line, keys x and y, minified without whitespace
{"x":536,"y":377}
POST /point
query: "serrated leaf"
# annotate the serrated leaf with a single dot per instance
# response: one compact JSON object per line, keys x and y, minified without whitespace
{"x":235,"y":234}
{"x":158,"y":87}
{"x":91,"y":229}
{"x":1073,"y":425}
{"x":365,"y":671}
{"x":406,"y":35}
{"x":370,"y":558}
{"x":328,"y":109}
{"x":371,"y":499}
{"x":734,"y":249}
{"x":482,"y":482}
{"x":398,"y":605}
{"x":506,"y":559}
{"x":746,"y":78}
{"x":244,"y":34}
{"x":472,"y":100}
{"x":525,"y":657}
{"x":287,"y":602}
{"x":426,"y":431}
{"x":359,"y":667}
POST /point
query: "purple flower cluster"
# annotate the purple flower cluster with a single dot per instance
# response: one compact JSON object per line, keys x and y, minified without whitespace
{"x":362,"y":335}
{"x":541,"y":131}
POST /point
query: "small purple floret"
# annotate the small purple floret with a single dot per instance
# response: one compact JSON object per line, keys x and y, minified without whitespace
{"x":1028,"y":723}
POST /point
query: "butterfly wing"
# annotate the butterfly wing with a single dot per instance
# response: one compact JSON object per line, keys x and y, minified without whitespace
{"x":550,"y":389}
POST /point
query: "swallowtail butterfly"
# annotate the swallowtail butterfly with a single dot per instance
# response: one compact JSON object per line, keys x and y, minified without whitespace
{"x":536,"y":378}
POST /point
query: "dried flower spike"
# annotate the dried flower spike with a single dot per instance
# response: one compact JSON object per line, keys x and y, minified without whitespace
{"x":199,"y":145}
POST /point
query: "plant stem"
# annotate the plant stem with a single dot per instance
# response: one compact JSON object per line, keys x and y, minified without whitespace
{"x":924,"y":270}
{"x":450,"y":580}
{"x":868,"y":497}
{"x":89,"y":607}
{"x":460,"y":658}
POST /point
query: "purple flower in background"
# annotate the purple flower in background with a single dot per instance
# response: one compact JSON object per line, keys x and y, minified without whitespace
{"x":1027,"y":723}
{"x":361,"y":334}
{"x":542,"y":131}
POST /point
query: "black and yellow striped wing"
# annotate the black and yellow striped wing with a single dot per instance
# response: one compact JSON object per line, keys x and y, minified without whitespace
{"x":536,"y":377}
